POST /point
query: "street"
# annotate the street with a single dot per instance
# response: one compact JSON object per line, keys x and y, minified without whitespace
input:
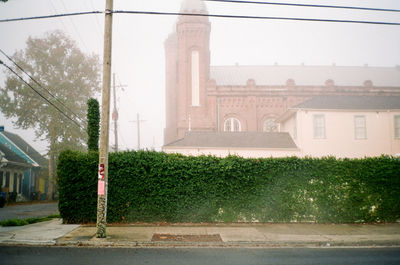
{"x":28,"y":210}
{"x":81,"y":255}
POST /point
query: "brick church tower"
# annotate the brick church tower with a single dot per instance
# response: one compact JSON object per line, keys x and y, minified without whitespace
{"x":187,"y":73}
{"x":248,"y":98}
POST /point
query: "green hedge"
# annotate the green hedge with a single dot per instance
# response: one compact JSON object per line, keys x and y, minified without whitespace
{"x":150,"y":186}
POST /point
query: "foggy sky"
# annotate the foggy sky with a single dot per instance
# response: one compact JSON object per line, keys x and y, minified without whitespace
{"x":138,"y":46}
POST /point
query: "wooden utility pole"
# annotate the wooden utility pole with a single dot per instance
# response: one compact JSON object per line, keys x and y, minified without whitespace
{"x":115,"y":116}
{"x":105,"y":124}
{"x":115,"y":113}
{"x":138,"y":121}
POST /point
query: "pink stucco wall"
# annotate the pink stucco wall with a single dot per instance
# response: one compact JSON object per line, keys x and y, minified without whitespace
{"x":340,"y":136}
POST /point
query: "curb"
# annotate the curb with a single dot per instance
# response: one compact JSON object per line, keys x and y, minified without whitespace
{"x":174,"y":244}
{"x":99,"y":243}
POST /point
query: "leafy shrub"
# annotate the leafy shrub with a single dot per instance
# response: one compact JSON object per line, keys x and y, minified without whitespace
{"x":150,"y":186}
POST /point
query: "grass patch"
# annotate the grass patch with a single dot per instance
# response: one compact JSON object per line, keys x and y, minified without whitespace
{"x":54,"y":216}
{"x":32,"y":220}
{"x":14,"y":222}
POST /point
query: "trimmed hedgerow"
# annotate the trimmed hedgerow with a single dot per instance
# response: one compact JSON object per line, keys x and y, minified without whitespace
{"x":150,"y":186}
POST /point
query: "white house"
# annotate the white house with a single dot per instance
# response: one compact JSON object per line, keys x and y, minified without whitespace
{"x":345,"y":126}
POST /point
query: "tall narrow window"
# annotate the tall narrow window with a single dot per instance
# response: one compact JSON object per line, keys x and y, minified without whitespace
{"x":360,"y":128}
{"x":397,"y":126}
{"x":195,"y":78}
{"x":1,"y":179}
{"x":232,"y":125}
{"x":319,"y":126}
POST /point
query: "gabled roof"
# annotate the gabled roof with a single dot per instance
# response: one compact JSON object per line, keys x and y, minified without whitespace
{"x":351,"y":103}
{"x":305,"y":75}
{"x":26,"y":148}
{"x":10,"y":156}
{"x":264,"y":140}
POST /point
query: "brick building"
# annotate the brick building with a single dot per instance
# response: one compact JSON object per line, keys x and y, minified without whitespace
{"x":200,"y":97}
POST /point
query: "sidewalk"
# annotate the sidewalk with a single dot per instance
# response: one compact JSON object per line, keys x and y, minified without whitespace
{"x":205,"y":235}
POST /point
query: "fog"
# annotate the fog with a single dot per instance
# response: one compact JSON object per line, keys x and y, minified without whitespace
{"x":138,"y":46}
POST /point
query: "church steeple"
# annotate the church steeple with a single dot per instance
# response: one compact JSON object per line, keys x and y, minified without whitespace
{"x":193,"y":6}
{"x":188,"y":69}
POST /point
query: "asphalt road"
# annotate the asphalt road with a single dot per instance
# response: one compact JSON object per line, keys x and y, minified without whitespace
{"x":28,"y":210}
{"x":97,"y":256}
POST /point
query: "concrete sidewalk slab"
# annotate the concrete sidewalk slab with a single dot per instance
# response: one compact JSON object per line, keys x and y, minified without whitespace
{"x":240,"y":235}
{"x":232,"y":235}
{"x":43,"y":233}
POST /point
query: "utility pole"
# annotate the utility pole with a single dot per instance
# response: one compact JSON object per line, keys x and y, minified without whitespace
{"x":115,"y":117}
{"x":105,"y":124}
{"x":138,"y":121}
{"x":115,"y":113}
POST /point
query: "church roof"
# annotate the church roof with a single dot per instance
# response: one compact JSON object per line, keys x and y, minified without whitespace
{"x":193,"y":6}
{"x":351,"y":103}
{"x":264,"y":140}
{"x":306,"y":75}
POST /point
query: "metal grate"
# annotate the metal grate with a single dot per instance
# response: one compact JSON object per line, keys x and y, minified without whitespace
{"x":187,"y":238}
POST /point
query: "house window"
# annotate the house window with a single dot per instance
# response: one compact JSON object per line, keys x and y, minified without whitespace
{"x":1,"y":179}
{"x":360,"y":128}
{"x":232,"y":125}
{"x":195,"y":78}
{"x":270,"y":125}
{"x":397,"y":126}
{"x":319,"y":126}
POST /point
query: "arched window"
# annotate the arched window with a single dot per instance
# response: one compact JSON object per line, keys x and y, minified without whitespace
{"x":270,"y":125}
{"x":232,"y":125}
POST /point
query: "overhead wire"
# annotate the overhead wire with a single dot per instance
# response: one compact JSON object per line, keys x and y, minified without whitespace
{"x":256,"y":17}
{"x":74,"y":26}
{"x":307,"y":5}
{"x":99,"y":29}
{"x":206,"y":15}
{"x":37,"y":83}
{"x":43,"y":97}
{"x":55,"y":10}
{"x":51,"y":16}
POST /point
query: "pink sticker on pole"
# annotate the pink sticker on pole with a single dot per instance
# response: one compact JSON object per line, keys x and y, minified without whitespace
{"x":100,"y":187}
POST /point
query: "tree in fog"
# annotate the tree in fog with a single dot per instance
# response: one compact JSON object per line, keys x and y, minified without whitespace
{"x":72,"y":77}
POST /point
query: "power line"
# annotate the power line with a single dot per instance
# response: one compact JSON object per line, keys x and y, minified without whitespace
{"x":255,"y":17}
{"x":51,"y":16}
{"x":37,"y":83}
{"x":208,"y":15}
{"x":97,"y":22}
{"x":74,"y":26}
{"x":55,"y":10}
{"x":307,"y":5}
{"x":37,"y":92}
